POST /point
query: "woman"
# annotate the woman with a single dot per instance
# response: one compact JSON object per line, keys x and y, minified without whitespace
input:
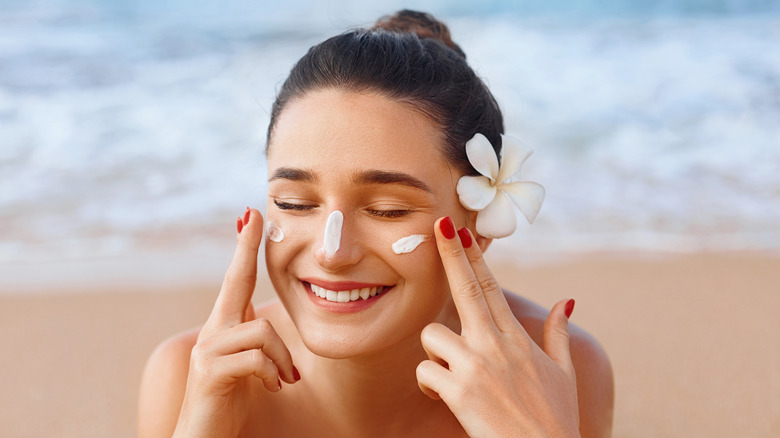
{"x":388,"y":322}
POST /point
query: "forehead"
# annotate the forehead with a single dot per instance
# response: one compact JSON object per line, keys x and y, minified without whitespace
{"x":343,"y":131}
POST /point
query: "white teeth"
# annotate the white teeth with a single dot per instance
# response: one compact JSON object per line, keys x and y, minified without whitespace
{"x":345,"y":296}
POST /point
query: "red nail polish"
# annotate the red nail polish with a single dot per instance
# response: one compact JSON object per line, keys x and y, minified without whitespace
{"x":239,"y":225}
{"x":569,"y":308}
{"x":465,"y":237}
{"x":447,"y":228}
{"x":296,"y":374}
{"x":246,"y":216}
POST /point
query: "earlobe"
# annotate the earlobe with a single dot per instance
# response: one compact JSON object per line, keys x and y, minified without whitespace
{"x":483,"y":242}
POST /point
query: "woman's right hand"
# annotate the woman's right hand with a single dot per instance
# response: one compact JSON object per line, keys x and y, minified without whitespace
{"x":234,"y":349}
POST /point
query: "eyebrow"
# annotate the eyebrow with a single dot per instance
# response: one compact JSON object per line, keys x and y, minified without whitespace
{"x":383,"y":177}
{"x":293,"y":174}
{"x":364,"y":177}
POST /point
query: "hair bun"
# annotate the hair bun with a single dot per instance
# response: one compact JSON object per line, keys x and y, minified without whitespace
{"x":420,"y":23}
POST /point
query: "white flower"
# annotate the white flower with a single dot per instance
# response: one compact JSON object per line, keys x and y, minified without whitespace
{"x":489,"y":194}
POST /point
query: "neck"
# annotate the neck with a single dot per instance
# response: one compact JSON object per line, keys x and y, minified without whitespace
{"x":374,"y":390}
{"x":375,"y":394}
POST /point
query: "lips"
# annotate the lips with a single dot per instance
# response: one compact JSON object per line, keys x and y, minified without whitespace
{"x":343,"y":291}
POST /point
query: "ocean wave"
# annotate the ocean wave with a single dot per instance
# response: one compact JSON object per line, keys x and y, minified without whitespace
{"x":650,"y":133}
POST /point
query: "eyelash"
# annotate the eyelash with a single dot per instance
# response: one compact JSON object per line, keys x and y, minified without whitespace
{"x":378,"y":213}
{"x":389,"y":213}
{"x":290,"y":206}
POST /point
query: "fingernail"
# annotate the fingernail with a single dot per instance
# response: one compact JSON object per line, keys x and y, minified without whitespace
{"x":279,"y":383}
{"x":465,"y":237}
{"x":569,"y":308}
{"x":246,"y":216}
{"x":296,"y":374}
{"x":447,"y":228}
{"x":239,"y":225}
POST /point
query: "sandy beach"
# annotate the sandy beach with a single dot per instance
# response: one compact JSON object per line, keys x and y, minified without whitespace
{"x":692,"y":339}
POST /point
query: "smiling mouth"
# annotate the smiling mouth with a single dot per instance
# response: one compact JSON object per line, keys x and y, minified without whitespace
{"x":345,"y":296}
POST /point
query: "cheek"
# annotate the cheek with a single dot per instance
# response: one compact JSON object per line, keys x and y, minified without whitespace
{"x":425,"y":283}
{"x":420,"y":266}
{"x":413,"y":254}
{"x":283,"y":239}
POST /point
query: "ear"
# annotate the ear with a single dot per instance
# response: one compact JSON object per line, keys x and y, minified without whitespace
{"x":482,"y":241}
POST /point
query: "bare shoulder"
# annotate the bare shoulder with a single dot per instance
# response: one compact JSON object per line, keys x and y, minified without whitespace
{"x":595,"y":383}
{"x":163,"y":383}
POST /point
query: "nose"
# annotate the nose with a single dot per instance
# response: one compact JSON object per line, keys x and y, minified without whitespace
{"x":338,"y":247}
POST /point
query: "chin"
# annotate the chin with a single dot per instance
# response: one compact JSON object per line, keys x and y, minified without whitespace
{"x":340,"y":342}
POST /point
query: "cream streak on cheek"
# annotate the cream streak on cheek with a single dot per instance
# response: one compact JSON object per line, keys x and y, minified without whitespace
{"x":408,"y":244}
{"x":274,"y":232}
{"x":332,"y":239}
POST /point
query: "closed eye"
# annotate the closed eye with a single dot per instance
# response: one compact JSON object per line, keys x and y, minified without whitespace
{"x":389,"y":213}
{"x":290,"y":206}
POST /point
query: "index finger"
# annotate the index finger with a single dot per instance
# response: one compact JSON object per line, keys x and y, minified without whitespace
{"x":464,"y":285}
{"x":496,"y":301}
{"x":241,"y":275}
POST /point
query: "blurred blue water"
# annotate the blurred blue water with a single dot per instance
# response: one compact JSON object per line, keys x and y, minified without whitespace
{"x":656,"y":123}
{"x":284,"y":13}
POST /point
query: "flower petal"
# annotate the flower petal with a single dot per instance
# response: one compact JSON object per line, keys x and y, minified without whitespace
{"x":475,"y":192}
{"x":497,"y":219}
{"x":528,"y":196}
{"x":482,"y":156}
{"x":513,"y":155}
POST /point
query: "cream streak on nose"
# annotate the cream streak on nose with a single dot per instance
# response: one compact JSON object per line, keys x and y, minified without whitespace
{"x":408,"y":244}
{"x":332,"y":239}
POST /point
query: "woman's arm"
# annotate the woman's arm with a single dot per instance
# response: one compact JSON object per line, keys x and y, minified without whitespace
{"x":162,"y":386}
{"x":595,"y":385}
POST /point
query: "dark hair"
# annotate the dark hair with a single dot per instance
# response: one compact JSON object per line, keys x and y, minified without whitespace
{"x":411,"y":58}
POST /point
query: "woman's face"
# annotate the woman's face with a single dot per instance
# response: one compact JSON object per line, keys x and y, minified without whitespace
{"x":378,"y":164}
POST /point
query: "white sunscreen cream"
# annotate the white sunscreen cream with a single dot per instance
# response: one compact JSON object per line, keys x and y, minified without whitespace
{"x":332,"y":239}
{"x":274,"y":233}
{"x":408,"y":244}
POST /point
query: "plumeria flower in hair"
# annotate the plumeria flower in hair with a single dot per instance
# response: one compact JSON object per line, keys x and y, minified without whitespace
{"x":490,"y":193}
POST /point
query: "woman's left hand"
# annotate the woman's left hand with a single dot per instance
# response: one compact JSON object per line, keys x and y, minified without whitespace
{"x":493,"y":376}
